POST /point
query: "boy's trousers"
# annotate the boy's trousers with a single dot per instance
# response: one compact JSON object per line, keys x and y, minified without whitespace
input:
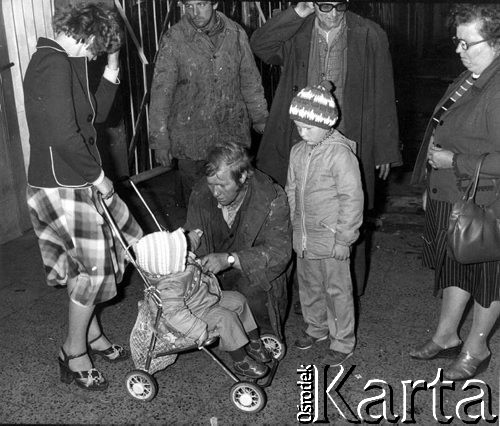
{"x":325,"y":289}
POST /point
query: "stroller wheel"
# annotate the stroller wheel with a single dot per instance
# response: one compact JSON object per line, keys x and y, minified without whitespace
{"x":141,"y":385}
{"x":274,"y":345}
{"x":248,"y":397}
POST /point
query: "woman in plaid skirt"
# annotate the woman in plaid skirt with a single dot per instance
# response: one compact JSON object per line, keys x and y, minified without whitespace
{"x":65,"y":177}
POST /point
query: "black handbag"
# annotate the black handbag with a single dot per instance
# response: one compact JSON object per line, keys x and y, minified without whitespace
{"x":474,"y":231}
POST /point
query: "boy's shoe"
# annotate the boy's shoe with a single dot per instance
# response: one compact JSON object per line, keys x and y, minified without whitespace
{"x":305,"y":341}
{"x":251,"y":368}
{"x":335,"y":358}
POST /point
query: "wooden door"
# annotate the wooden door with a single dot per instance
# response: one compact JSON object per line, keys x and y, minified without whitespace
{"x":14,"y":147}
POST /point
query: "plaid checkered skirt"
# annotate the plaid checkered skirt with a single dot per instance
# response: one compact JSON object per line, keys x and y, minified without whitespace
{"x":77,"y":245}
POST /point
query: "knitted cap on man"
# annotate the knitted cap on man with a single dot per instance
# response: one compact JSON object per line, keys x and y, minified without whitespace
{"x":162,"y":253}
{"x":315,"y":105}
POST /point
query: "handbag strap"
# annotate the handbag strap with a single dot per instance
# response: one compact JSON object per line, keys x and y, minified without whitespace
{"x":470,"y":194}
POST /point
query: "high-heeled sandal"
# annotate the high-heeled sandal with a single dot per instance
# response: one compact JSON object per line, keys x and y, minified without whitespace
{"x":115,"y":353}
{"x":91,"y":379}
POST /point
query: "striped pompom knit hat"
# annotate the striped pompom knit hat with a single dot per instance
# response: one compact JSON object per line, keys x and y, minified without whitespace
{"x":315,"y":105}
{"x":162,"y":253}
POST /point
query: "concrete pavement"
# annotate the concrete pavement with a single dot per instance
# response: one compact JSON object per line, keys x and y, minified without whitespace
{"x":397,"y":311}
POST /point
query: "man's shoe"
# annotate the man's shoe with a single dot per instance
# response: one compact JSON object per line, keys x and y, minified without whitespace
{"x":251,"y":368}
{"x":260,"y":354}
{"x":305,"y":341}
{"x":431,"y":350}
{"x":335,"y":358}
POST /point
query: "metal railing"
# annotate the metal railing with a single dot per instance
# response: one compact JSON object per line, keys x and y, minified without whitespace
{"x":145,"y":22}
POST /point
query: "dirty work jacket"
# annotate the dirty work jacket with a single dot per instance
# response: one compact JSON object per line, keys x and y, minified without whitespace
{"x":369,"y":112}
{"x":61,"y":111}
{"x":469,"y":128}
{"x":202,"y":94}
{"x":260,"y":236}
{"x":264,"y":231}
{"x":325,"y":195}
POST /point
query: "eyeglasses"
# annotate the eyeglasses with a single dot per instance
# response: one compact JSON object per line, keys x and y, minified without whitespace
{"x":464,"y":44}
{"x":328,"y":7}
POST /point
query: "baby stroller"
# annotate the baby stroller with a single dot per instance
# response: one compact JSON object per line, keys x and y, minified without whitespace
{"x":154,"y":343}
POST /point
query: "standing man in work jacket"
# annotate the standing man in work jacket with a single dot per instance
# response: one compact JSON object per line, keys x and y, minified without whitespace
{"x":315,"y":41}
{"x":206,"y":89}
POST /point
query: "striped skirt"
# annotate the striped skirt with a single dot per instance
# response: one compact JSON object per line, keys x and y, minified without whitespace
{"x":481,"y":280}
{"x":77,"y":246}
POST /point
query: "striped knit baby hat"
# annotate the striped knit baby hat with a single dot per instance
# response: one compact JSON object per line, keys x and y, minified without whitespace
{"x":162,"y":253}
{"x":315,"y":105}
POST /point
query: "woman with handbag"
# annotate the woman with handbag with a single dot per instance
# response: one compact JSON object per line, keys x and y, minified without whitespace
{"x":65,"y":177}
{"x":464,"y":127}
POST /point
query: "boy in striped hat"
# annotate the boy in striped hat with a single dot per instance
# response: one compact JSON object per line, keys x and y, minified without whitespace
{"x":326,"y":206}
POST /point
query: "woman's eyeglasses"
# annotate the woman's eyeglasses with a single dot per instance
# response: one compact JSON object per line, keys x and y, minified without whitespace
{"x":464,"y":45}
{"x":328,"y":7}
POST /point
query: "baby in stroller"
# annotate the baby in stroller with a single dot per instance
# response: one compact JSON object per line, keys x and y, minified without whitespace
{"x":195,"y":307}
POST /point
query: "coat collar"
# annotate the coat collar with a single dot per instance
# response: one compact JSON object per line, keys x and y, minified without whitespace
{"x":488,"y":73}
{"x":191,"y":32}
{"x":47,"y":43}
{"x":260,"y":195}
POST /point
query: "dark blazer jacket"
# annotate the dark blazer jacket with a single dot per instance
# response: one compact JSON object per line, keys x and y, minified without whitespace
{"x":61,"y":111}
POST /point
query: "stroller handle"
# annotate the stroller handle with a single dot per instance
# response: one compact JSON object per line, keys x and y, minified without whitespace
{"x":114,"y":228}
{"x":118,"y":234}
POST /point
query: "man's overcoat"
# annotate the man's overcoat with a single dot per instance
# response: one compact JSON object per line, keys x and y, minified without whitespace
{"x":369,"y":112}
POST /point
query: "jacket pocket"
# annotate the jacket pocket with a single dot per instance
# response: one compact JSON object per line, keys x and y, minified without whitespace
{"x":331,"y":235}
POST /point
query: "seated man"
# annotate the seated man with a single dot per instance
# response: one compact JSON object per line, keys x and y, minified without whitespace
{"x":194,"y":306}
{"x":246,"y":237}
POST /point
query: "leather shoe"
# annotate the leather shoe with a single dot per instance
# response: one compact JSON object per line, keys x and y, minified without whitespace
{"x":251,"y":368}
{"x":431,"y":350}
{"x":335,"y":358}
{"x":305,"y":341}
{"x":466,"y":367}
{"x":260,"y":354}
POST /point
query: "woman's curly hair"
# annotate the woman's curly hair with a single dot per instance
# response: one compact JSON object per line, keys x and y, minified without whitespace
{"x":83,"y":21}
{"x":488,"y":14}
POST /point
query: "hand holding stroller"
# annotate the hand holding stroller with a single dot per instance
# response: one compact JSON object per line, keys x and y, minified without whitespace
{"x":194,"y":306}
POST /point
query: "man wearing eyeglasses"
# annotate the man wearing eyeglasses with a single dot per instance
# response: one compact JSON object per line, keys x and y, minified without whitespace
{"x":315,"y":41}
{"x":206,"y":89}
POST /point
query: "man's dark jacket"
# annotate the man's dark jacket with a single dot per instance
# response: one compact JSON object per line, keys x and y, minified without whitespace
{"x":260,"y":236}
